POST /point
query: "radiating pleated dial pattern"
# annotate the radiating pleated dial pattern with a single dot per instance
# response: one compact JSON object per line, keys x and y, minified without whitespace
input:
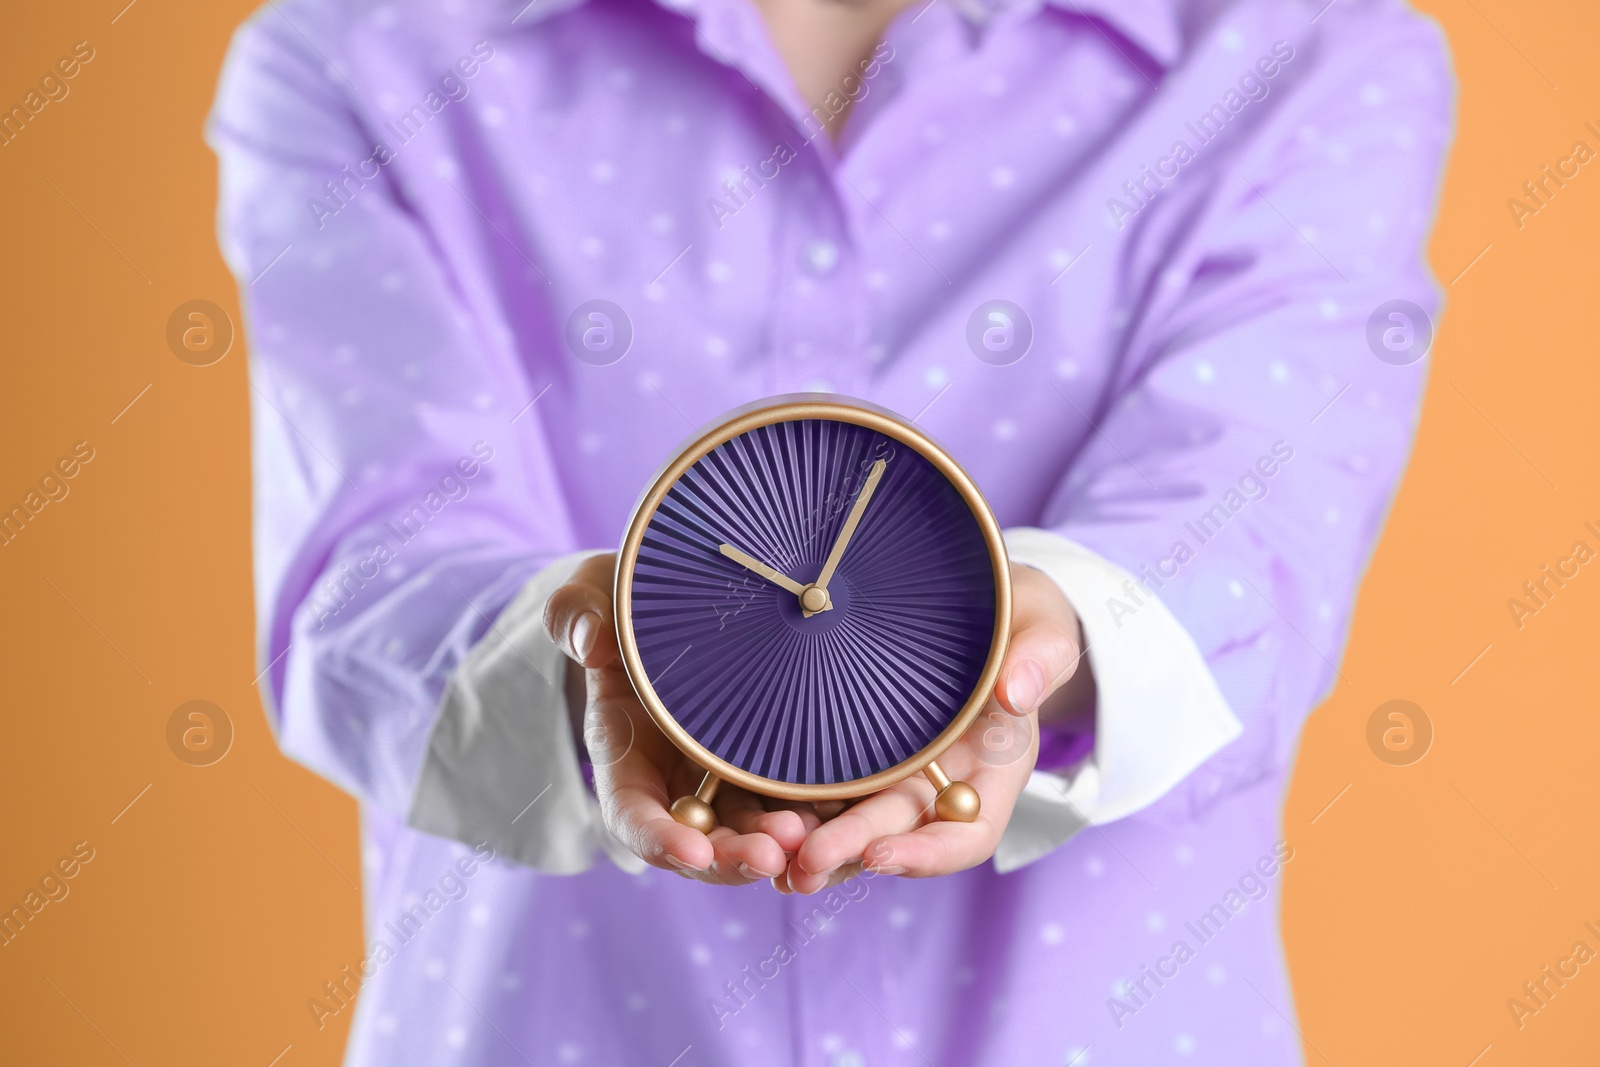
{"x":850,"y":691}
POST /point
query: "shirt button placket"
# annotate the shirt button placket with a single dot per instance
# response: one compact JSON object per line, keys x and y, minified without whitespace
{"x":818,"y":312}
{"x":824,"y":313}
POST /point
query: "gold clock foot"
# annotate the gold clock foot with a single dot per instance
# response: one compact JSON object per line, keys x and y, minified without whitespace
{"x":695,"y":811}
{"x":957,"y":801}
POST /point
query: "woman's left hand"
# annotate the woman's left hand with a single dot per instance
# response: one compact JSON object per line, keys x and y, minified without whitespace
{"x":895,"y":831}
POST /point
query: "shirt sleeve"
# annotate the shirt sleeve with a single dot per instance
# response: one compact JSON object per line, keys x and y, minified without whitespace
{"x":501,"y":765}
{"x":1214,"y":528}
{"x":1159,"y":713}
{"x":404,"y":492}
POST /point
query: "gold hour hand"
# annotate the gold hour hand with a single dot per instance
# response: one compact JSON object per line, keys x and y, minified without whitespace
{"x":745,"y":559}
{"x":848,"y":530}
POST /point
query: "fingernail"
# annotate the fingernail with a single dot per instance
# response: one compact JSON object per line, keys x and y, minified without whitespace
{"x":893,"y":868}
{"x":682,"y":866}
{"x":1025,"y":686}
{"x":585,"y":632}
{"x":755,"y":875}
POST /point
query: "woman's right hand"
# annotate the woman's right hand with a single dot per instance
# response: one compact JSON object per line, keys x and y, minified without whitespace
{"x":638,"y":772}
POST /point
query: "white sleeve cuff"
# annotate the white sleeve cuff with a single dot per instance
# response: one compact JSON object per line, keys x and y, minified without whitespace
{"x":501,"y":766}
{"x":1159,"y":712}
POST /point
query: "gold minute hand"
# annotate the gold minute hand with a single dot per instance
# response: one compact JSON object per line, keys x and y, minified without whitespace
{"x":744,"y":559}
{"x":847,"y":531}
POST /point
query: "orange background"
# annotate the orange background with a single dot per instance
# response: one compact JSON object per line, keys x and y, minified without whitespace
{"x":1420,"y":900}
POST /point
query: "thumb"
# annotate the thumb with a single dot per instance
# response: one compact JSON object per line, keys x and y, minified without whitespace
{"x":1046,"y":643}
{"x":578,"y":616}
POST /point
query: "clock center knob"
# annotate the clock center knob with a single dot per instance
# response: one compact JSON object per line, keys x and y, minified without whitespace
{"x":814,"y":599}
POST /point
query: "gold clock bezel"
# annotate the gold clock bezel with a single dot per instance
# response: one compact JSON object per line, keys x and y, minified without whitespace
{"x":787,"y":409}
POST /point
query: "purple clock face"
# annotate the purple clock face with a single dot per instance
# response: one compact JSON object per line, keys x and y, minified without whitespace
{"x":734,"y":563}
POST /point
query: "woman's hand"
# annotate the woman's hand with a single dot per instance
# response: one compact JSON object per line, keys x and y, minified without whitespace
{"x":638,"y":772}
{"x":895,"y":831}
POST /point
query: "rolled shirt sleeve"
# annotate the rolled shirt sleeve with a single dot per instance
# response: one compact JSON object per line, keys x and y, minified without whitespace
{"x":1240,"y":469}
{"x":404,"y":492}
{"x":1158,"y":711}
{"x":501,"y":764}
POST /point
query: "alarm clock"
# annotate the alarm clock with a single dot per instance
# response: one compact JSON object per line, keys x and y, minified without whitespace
{"x":812,"y":602}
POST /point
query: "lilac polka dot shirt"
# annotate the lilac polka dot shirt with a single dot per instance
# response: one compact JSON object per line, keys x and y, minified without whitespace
{"x":1128,"y":260}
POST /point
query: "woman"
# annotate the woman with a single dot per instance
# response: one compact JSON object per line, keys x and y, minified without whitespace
{"x":1118,"y":257}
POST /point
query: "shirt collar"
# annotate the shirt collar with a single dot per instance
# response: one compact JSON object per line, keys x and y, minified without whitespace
{"x":1152,"y":25}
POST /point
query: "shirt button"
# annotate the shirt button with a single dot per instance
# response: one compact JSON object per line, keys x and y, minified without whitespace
{"x":821,"y":256}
